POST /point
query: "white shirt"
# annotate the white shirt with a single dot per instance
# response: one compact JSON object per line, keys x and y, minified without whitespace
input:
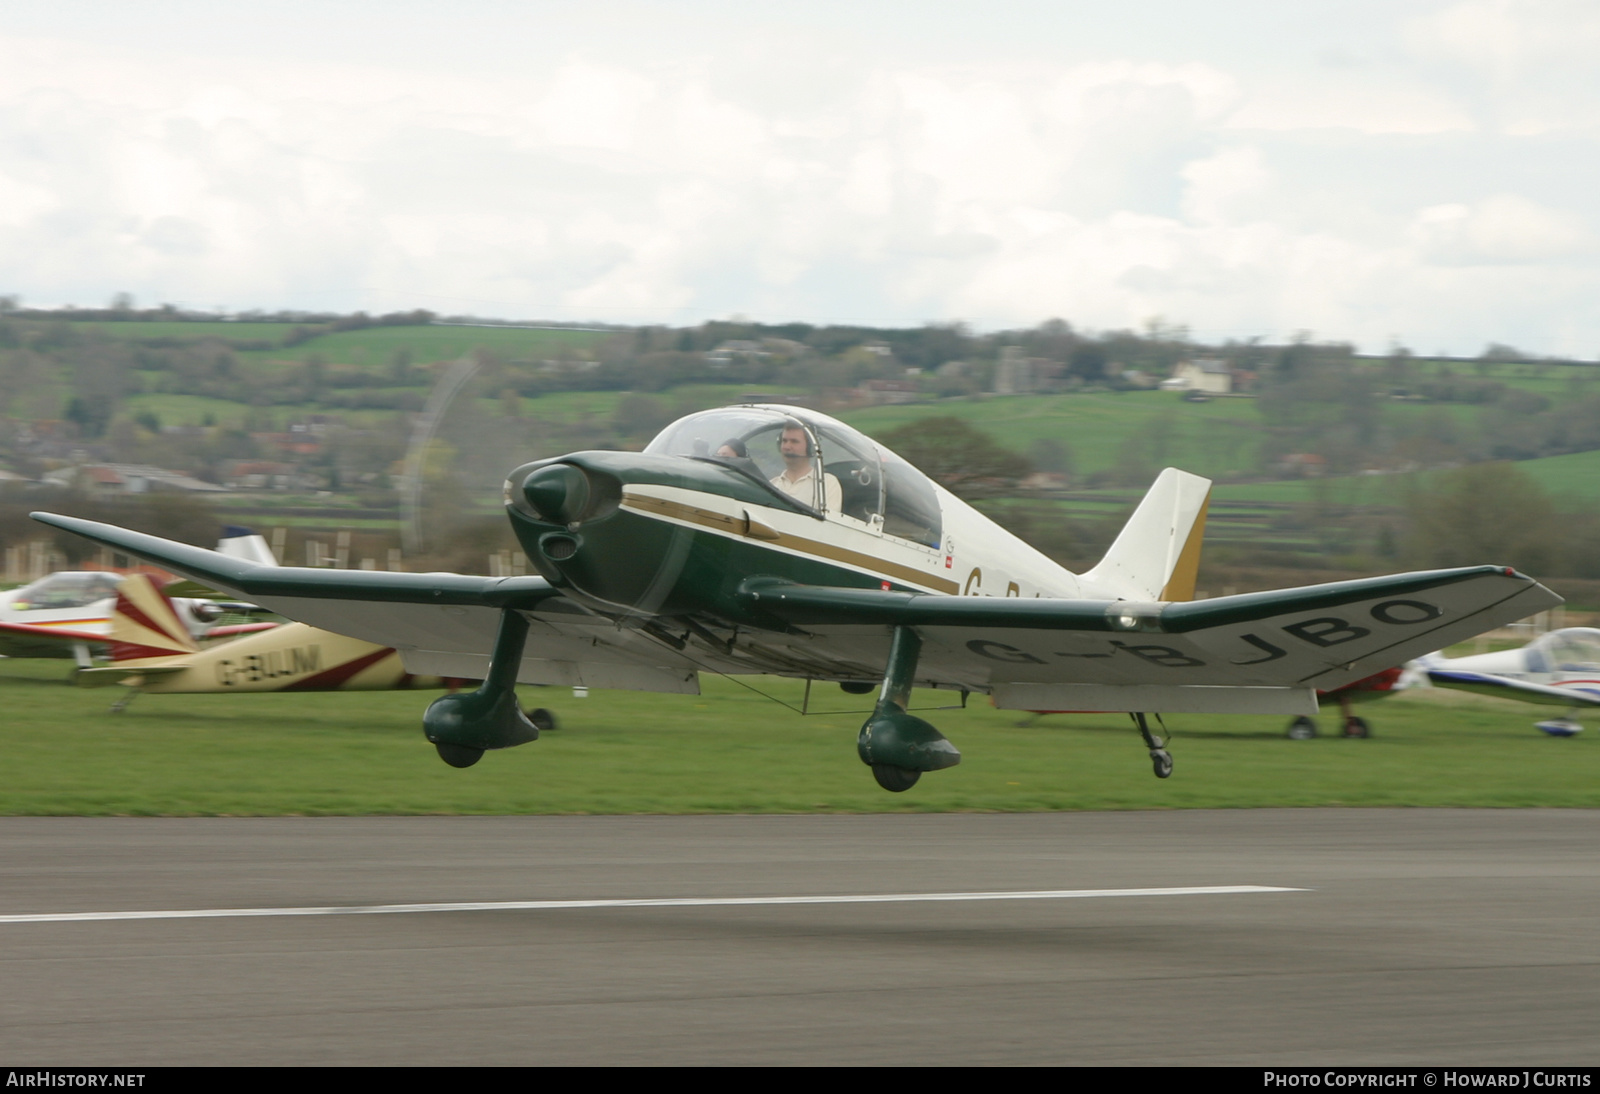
{"x":804,"y":489}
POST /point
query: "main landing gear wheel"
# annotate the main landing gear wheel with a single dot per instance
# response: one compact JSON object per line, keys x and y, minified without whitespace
{"x":459,"y":755}
{"x":1357,"y":727}
{"x":542,"y":719}
{"x":1301,"y":729}
{"x":894,"y":779}
{"x":1161,"y":760}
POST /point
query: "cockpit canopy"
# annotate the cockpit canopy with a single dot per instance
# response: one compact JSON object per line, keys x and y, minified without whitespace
{"x":1575,"y":649}
{"x":66,"y":589}
{"x":822,"y":464}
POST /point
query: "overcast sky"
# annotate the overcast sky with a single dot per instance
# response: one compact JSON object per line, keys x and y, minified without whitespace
{"x":1424,"y":171}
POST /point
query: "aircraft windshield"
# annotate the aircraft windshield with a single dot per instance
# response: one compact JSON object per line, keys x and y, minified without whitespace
{"x":830,"y":467}
{"x":748,"y":439}
{"x":69,"y":589}
{"x":1574,"y":650}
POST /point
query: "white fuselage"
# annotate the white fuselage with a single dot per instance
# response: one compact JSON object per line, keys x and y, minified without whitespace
{"x":1568,"y":658}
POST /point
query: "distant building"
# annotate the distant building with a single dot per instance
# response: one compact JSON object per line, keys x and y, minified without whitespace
{"x":264,"y":475}
{"x":1205,"y":374}
{"x":1013,"y":373}
{"x":117,"y":479}
{"x":737,"y":347}
{"x":300,"y":442}
{"x":1307,"y":465}
{"x":889,"y":391}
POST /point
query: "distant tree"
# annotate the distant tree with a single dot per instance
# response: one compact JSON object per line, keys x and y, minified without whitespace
{"x":959,"y":456}
{"x":90,"y":414}
{"x":640,"y":416}
{"x":1484,"y":513}
{"x":1049,"y":454}
{"x":1499,"y":351}
{"x":1088,"y":362}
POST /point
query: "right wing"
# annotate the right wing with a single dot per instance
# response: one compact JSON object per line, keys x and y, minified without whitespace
{"x":443,"y":624}
{"x":32,"y":640}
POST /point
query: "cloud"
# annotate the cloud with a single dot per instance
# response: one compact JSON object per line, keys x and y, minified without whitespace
{"x":1503,"y":228}
{"x":1374,"y":191}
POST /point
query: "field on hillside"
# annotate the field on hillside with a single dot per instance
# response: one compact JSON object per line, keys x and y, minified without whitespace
{"x":370,"y":346}
{"x":1218,"y":438}
{"x":731,"y":751}
{"x":376,"y":346}
{"x":184,"y":330}
{"x":1549,"y":379}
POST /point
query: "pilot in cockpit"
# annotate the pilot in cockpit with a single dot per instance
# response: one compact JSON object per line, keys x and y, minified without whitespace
{"x":798,"y":478}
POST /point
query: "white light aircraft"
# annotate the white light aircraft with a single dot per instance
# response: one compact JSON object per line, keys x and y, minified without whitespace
{"x":1558,"y":669}
{"x":773,"y":539}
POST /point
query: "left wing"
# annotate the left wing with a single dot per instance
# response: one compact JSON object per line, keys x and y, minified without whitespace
{"x":1503,"y":687}
{"x":1259,"y":652}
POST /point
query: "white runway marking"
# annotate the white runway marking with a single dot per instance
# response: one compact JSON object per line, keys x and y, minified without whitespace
{"x":661,"y":902}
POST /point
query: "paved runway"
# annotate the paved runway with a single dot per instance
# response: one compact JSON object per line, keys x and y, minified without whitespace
{"x":1444,"y":937}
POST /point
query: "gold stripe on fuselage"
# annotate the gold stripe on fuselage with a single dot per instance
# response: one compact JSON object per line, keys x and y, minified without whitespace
{"x":747,"y":528}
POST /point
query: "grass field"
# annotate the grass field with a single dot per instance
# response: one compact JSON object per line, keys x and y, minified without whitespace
{"x":1219,"y":439}
{"x":376,"y":346}
{"x":186,"y":331}
{"x":730,"y":751}
{"x":372,"y":346}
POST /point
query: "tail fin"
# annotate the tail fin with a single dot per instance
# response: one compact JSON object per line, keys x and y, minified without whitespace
{"x":1157,"y":554}
{"x":144,"y":624}
{"x":237,"y":542}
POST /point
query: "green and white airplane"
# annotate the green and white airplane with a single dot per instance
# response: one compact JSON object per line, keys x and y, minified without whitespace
{"x":773,"y":539}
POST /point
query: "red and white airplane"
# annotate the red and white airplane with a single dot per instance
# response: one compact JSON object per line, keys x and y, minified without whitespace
{"x":153,"y":650}
{"x":68,"y":613}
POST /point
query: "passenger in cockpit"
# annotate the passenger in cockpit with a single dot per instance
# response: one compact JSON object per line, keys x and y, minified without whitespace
{"x":733,"y":451}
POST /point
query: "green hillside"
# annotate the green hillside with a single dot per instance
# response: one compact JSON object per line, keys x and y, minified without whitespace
{"x":376,"y":346}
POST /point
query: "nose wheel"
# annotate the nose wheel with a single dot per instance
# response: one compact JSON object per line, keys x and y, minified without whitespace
{"x":894,"y":779}
{"x":458,"y":755}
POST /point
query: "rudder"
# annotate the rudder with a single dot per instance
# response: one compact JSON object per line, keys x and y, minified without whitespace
{"x":1156,"y":556}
